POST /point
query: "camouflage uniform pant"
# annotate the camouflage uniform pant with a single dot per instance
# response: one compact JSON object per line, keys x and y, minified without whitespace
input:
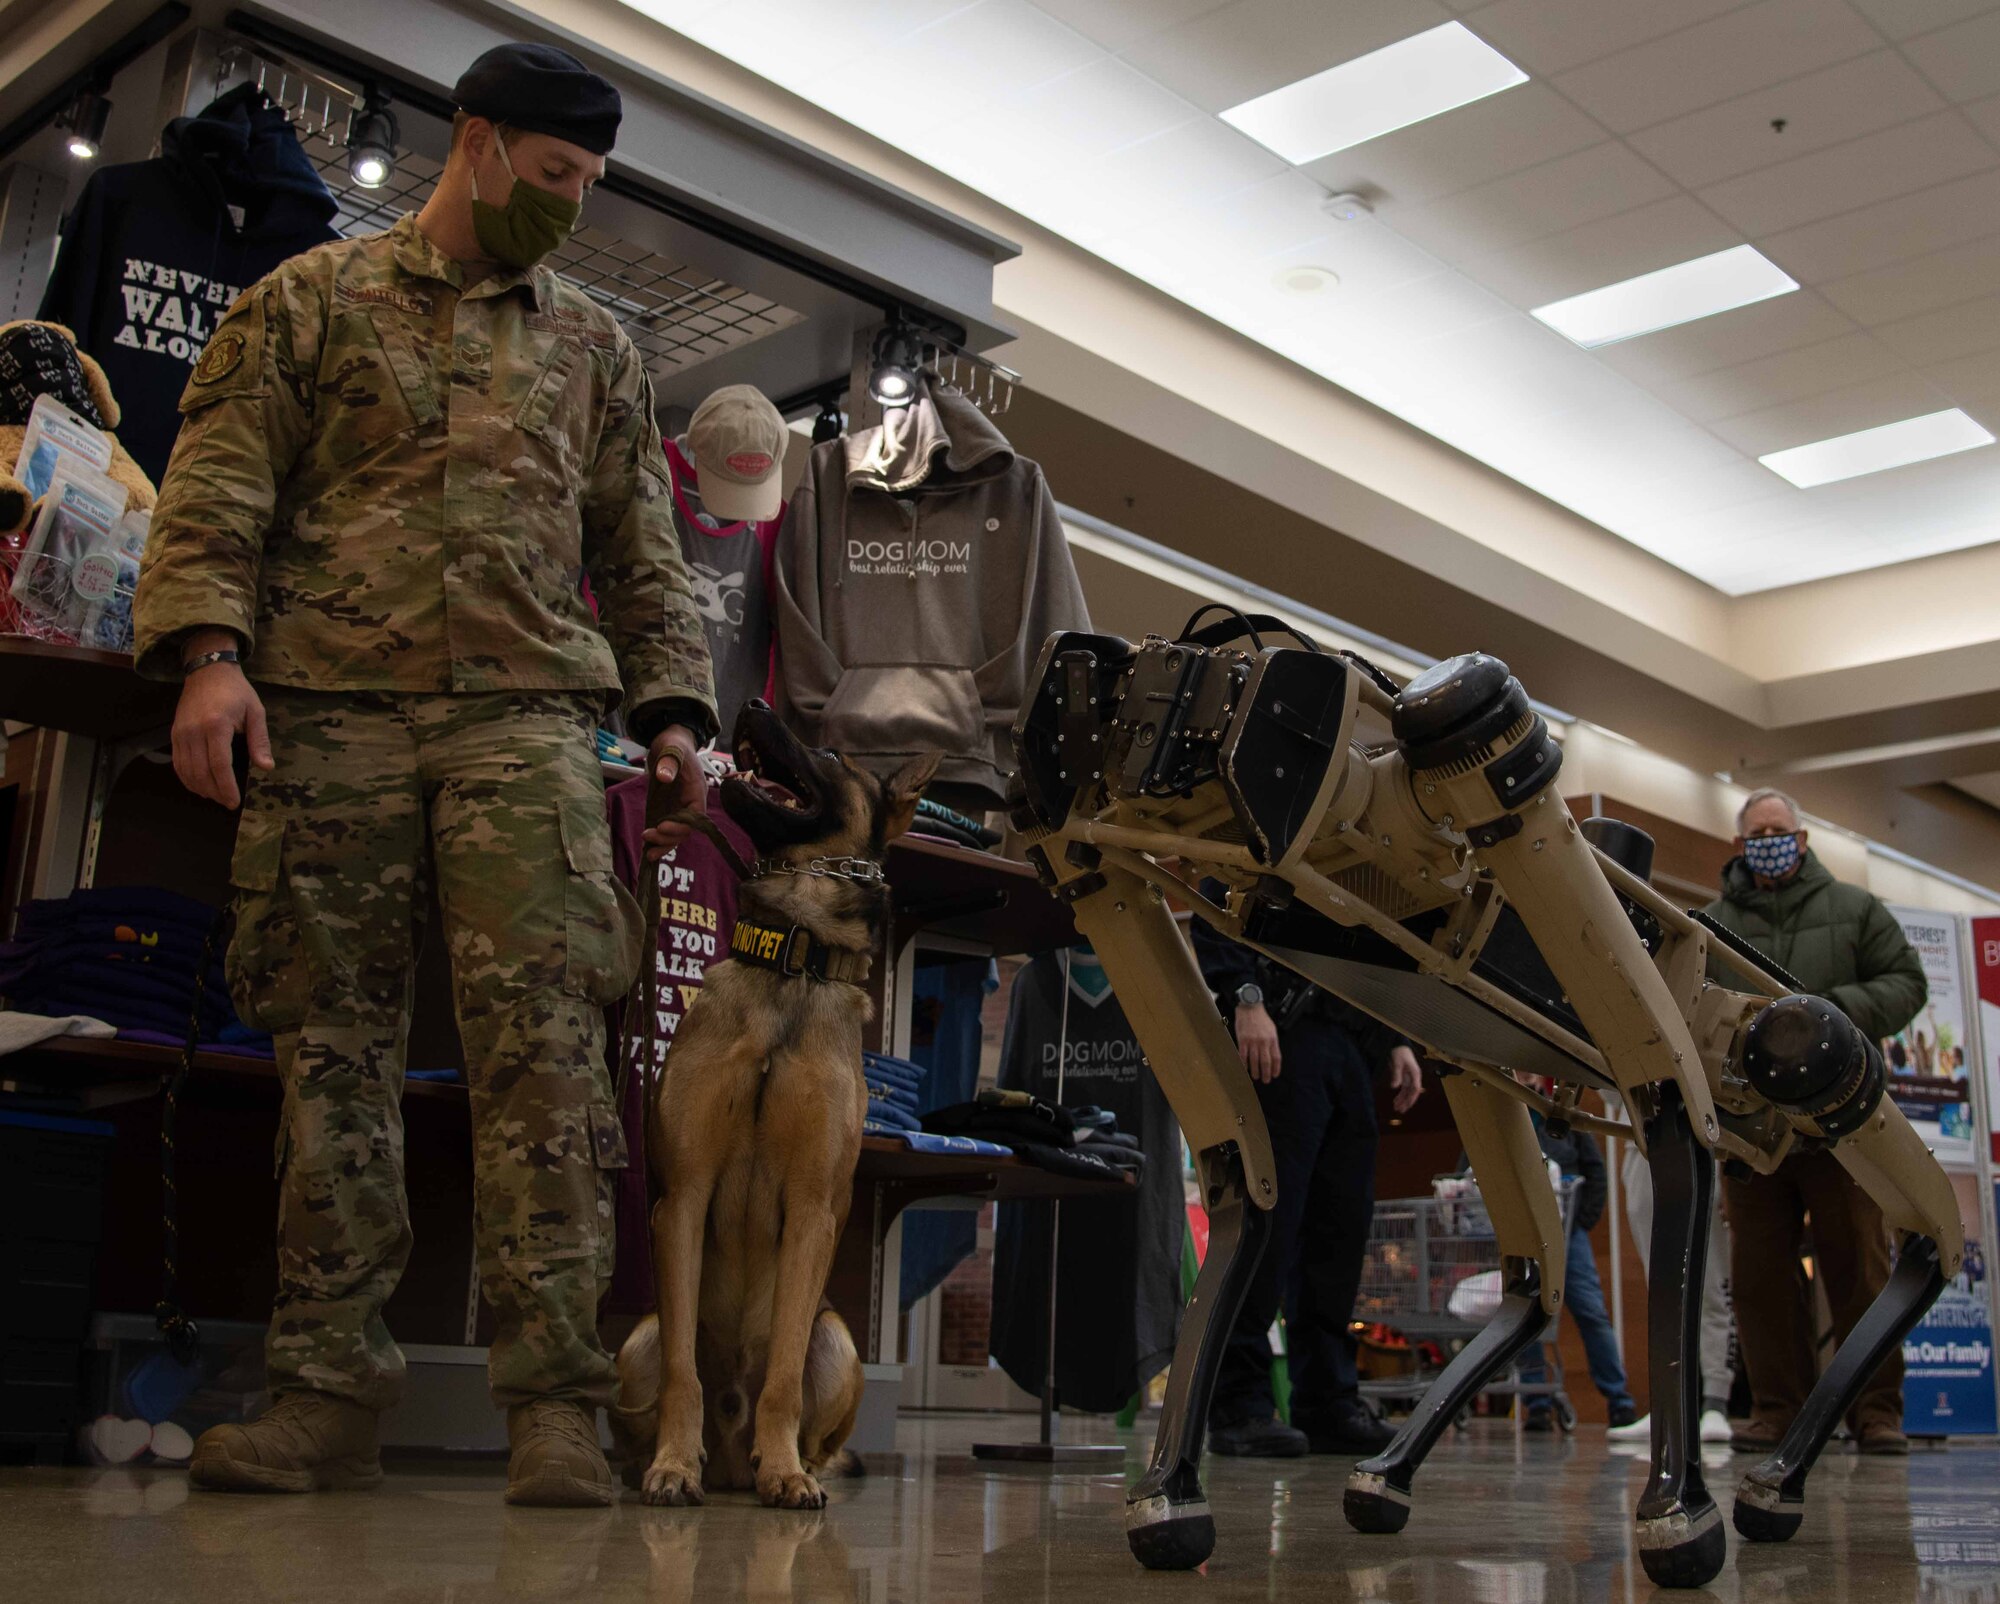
{"x":500,"y":798}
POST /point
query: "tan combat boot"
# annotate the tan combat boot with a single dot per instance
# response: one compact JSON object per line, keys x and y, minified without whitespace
{"x":303,"y":1442}
{"x":555,"y":1460}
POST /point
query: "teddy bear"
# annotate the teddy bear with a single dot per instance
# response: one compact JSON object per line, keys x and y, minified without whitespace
{"x":42,"y":359}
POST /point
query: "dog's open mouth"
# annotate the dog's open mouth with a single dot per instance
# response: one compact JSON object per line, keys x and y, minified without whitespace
{"x":769,"y":779}
{"x":772,"y":772}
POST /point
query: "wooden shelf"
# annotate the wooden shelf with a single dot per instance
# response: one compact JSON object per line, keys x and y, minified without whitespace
{"x":977,"y":897}
{"x":80,"y":690}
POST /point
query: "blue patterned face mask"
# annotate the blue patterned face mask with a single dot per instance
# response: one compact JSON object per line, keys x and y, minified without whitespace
{"x":1772,"y":856}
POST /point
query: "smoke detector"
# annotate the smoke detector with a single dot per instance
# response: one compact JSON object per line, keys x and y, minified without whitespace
{"x":1347,"y":207}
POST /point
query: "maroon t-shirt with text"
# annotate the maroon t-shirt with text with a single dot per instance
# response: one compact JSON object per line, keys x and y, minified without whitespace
{"x":697,"y":913}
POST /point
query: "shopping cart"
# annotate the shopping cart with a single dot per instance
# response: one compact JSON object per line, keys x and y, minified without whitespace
{"x":1433,"y":1275}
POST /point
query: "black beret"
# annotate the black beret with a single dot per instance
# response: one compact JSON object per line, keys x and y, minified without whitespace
{"x":542,"y":90}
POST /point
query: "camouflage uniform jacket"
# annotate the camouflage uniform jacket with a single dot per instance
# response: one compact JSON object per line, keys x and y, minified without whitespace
{"x":386,"y":481}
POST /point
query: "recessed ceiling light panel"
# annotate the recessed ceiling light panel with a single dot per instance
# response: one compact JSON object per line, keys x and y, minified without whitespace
{"x":1893,"y":445}
{"x":1418,"y":77}
{"x":1679,"y":294}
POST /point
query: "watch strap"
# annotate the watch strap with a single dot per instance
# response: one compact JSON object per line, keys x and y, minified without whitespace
{"x":203,"y":659}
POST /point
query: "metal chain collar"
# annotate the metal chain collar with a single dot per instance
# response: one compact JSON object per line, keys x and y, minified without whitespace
{"x":865,"y":870}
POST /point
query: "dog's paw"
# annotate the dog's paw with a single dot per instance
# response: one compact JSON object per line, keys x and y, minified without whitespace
{"x":668,"y":1482}
{"x":790,"y":1490}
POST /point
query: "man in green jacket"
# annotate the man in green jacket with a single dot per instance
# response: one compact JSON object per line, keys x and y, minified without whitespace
{"x":1840,"y":943}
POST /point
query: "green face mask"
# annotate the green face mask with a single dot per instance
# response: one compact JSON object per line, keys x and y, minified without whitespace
{"x":528,"y":227}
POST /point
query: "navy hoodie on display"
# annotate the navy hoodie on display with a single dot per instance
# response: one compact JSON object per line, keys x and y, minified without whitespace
{"x":154,"y":252}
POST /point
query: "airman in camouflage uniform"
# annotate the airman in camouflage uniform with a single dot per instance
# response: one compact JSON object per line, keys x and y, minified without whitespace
{"x":389,"y":485}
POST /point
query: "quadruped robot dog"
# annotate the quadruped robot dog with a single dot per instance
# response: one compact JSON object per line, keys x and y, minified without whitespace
{"x":1406,"y":848}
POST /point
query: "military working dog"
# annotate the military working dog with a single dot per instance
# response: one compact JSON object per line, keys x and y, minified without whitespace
{"x":746,"y":1378}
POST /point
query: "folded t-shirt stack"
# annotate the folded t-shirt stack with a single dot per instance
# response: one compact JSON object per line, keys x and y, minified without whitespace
{"x":894,"y":1096}
{"x":1083,"y":1142}
{"x":941,"y":823}
{"x":893,"y":1085}
{"x":127,"y":955}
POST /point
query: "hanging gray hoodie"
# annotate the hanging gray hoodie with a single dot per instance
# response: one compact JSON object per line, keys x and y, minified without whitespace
{"x":920,"y":568}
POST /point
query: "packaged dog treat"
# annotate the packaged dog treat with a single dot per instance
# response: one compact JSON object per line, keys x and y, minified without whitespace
{"x":76,"y":516}
{"x":55,"y":438}
{"x":104,"y":581}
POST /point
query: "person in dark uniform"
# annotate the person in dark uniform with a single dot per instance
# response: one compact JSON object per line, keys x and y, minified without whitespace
{"x":1313,"y":1059}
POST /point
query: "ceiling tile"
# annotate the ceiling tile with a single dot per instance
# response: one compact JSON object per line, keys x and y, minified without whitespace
{"x":1787,"y":376}
{"x":1549,"y":36}
{"x":1115,"y":24}
{"x":1432,"y":307}
{"x":1270,"y":216}
{"x":1780,"y":324}
{"x":1092,"y":112}
{"x":1717,"y":60}
{"x":1929,"y":151}
{"x":794,"y":48}
{"x":1473,"y":144}
{"x":1942,"y":279}
{"x":993,"y":48}
{"x":1971,"y":381}
{"x":1196,"y":161}
{"x":1367,"y":257}
{"x":1941,"y":336}
{"x":1889,"y":231}
{"x":1823,"y":108}
{"x":1904,"y":19}
{"x":1229,"y":56}
{"x":1558,"y":195}
{"x":1985,"y":114}
{"x":1822,"y":417}
{"x":1727,"y":484}
{"x":1612,"y":249}
{"x":1963,"y":61}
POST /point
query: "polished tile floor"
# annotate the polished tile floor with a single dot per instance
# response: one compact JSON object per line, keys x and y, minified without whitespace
{"x":1499,"y":1521}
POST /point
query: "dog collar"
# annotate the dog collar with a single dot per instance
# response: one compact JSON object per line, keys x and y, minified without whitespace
{"x":796,"y":953}
{"x":865,"y":870}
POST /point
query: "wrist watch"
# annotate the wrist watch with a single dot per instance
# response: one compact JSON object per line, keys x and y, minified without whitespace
{"x":1250,"y":995}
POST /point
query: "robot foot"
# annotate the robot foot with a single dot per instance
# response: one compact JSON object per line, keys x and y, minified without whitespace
{"x":1169,"y":1536}
{"x":1683,"y":1548}
{"x":1763,"y":1514}
{"x":1373,"y":1505}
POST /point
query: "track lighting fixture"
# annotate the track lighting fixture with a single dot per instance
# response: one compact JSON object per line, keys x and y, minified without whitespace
{"x":892,"y":381}
{"x":371,"y":142}
{"x":85,"y":120}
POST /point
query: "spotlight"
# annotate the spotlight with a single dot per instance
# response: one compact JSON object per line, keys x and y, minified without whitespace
{"x":85,"y":120}
{"x":893,"y":381}
{"x":371,"y":143}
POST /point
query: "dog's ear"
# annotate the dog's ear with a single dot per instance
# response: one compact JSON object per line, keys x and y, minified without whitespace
{"x":901,"y":791}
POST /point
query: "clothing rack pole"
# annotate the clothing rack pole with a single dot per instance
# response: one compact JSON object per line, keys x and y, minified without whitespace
{"x":1045,"y":1450}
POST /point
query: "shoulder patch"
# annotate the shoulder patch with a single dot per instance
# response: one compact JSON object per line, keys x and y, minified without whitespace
{"x":222,"y":358}
{"x":234,"y":360}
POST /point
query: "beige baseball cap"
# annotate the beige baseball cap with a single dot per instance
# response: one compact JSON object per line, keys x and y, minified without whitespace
{"x":737,"y":439}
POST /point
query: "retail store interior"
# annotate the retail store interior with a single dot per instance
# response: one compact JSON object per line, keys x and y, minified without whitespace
{"x":1317,"y":633}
